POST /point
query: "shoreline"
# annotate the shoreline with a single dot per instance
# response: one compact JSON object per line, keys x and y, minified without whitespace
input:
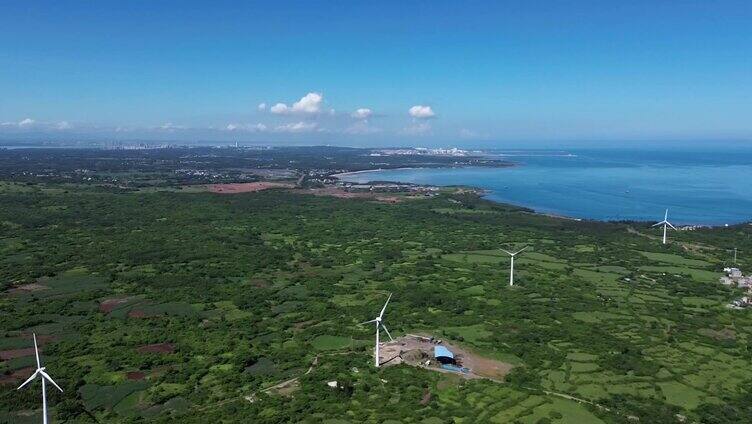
{"x":484,"y":193}
{"x":342,"y":174}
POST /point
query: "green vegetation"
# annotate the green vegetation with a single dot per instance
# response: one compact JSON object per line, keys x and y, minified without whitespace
{"x":177,"y":306}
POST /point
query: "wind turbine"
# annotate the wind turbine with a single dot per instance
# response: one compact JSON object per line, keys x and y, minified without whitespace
{"x":665,"y":224}
{"x":45,"y":376}
{"x":378,"y":322}
{"x":511,"y":264}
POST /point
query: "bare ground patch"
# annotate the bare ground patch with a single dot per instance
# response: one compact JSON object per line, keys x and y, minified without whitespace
{"x":157,"y":348}
{"x":108,"y":305}
{"x":16,"y":376}
{"x":16,"y":353}
{"x":27,"y":288}
{"x":246,"y":187}
{"x":136,"y":313}
{"x":419,"y":351}
{"x":135,"y":375}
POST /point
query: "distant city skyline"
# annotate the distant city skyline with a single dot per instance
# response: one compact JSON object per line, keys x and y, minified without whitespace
{"x":389,"y":73}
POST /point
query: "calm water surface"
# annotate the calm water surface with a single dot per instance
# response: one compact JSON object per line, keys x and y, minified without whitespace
{"x":698,"y":186}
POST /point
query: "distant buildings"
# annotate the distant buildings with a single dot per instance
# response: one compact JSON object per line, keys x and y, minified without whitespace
{"x":735,"y":278}
{"x":422,"y":151}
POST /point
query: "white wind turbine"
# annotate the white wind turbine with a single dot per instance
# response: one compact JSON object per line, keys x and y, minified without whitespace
{"x":378,"y":322}
{"x":511,"y":264}
{"x":45,"y":376}
{"x":665,"y":224}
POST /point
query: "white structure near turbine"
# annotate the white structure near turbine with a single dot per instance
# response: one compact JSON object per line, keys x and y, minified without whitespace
{"x":44,"y":376}
{"x":665,"y":224}
{"x":511,"y":264}
{"x":378,"y":321}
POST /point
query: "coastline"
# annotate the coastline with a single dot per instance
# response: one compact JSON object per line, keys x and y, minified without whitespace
{"x":484,"y":193}
{"x":501,"y":164}
{"x":363,"y":171}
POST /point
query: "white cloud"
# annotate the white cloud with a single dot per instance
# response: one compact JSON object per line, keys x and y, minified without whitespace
{"x":421,"y":112}
{"x":297,"y":127}
{"x":262,"y":106}
{"x":26,"y":122}
{"x":362,"y":113}
{"x":310,"y":104}
{"x":246,"y":127}
{"x":279,"y":108}
{"x":63,"y":125}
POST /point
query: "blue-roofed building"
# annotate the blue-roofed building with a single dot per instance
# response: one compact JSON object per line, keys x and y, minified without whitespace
{"x":443,"y":355}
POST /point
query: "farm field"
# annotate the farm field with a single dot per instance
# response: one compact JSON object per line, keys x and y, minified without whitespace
{"x":169,"y":306}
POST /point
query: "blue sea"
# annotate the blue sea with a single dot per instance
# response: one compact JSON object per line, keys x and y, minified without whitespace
{"x":702,"y":186}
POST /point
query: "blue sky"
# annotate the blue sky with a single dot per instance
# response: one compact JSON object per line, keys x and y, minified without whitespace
{"x":351,"y":72}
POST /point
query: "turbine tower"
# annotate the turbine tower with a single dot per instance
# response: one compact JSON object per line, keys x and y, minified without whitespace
{"x":44,"y":376}
{"x":511,"y":264}
{"x":378,"y":322}
{"x":665,"y":224}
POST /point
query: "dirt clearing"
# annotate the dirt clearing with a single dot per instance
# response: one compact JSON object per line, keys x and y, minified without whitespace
{"x":27,"y":288}
{"x":108,"y":305}
{"x":419,"y":351}
{"x":16,"y":353}
{"x":16,"y":376}
{"x":135,"y":375}
{"x":157,"y":348}
{"x":246,"y":187}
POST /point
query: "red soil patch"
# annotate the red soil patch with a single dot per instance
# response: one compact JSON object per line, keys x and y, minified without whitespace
{"x":108,"y":305}
{"x":157,"y":348}
{"x":28,"y":288}
{"x":245,"y":187}
{"x":16,"y":376}
{"x":136,"y":313}
{"x":135,"y":375}
{"x":16,"y":353}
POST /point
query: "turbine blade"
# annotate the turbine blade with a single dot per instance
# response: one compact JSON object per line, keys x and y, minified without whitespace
{"x":28,"y":380}
{"x":367,"y":322}
{"x":384,"y":308}
{"x":669,"y":224}
{"x":47,"y":376}
{"x":521,"y":250}
{"x":387,"y":332}
{"x":658,"y":223}
{"x":36,"y":350}
{"x":665,"y":217}
{"x":507,"y":252}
